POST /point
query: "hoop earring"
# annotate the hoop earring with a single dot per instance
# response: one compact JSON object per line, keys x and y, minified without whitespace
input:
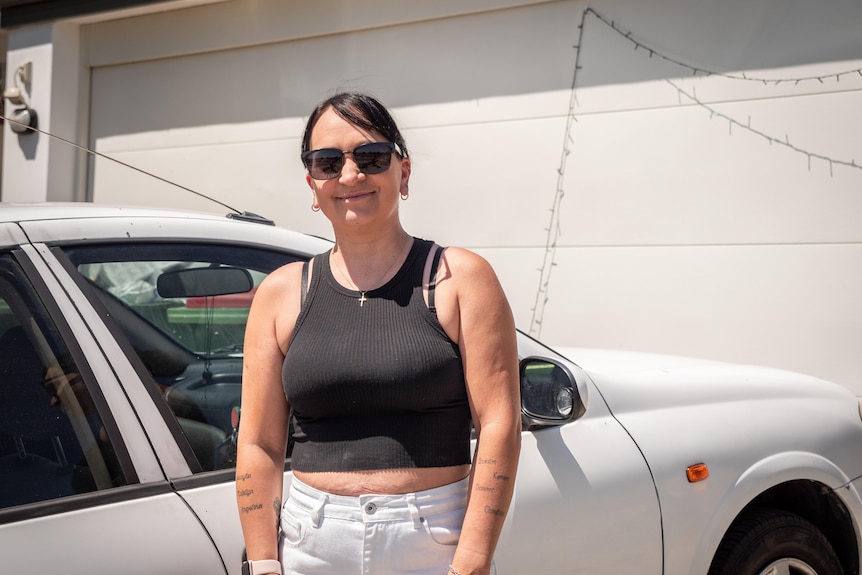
{"x":315,"y":207}
{"x":406,"y":194}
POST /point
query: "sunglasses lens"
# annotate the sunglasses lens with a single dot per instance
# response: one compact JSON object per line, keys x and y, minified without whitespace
{"x":324,"y":164}
{"x":373,"y":158}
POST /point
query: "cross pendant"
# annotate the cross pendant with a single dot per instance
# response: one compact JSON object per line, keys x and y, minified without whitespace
{"x":362,"y":299}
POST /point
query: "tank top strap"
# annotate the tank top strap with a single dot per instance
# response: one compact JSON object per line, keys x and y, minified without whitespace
{"x":308,"y":287}
{"x":432,"y":276}
{"x":312,"y":271}
{"x":303,"y":283}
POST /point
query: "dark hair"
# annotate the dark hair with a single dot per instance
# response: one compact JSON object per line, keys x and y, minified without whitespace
{"x":361,"y":110}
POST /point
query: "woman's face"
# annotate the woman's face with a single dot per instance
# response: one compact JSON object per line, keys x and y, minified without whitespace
{"x":355,"y":197}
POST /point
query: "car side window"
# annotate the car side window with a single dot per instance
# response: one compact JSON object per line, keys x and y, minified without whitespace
{"x":182,"y":309}
{"x":53,"y":440}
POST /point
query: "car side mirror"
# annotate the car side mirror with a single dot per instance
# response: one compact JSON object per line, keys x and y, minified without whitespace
{"x":204,"y":282}
{"x":549,"y":393}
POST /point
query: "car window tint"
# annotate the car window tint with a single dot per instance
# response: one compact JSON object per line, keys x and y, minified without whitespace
{"x":53,"y":442}
{"x":183,"y":309}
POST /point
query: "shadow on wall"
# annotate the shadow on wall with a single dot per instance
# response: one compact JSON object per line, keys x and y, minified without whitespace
{"x":522,"y":50}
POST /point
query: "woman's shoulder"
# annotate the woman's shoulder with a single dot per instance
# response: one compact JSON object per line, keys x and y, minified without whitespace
{"x":283,"y":281}
{"x":464,"y":262}
{"x":464,"y":272}
{"x":469,"y":292}
{"x":286,"y":272}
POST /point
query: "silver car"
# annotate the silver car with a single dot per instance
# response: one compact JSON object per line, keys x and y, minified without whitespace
{"x":121,"y":334}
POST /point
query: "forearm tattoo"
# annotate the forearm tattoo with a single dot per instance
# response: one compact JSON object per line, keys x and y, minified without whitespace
{"x":494,"y":511}
{"x":240,"y":491}
{"x":250,"y":508}
{"x":244,"y":493}
{"x":497,"y":477}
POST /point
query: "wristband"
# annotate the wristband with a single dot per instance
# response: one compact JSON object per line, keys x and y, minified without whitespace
{"x":261,"y":567}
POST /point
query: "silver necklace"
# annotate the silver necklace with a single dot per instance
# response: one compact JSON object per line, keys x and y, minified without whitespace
{"x":362,"y":299}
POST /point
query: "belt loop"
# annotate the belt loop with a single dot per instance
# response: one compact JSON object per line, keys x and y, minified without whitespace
{"x":317,"y":511}
{"x":414,"y":510}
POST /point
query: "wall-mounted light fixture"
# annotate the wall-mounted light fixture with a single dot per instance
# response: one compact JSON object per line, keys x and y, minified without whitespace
{"x":21,"y":120}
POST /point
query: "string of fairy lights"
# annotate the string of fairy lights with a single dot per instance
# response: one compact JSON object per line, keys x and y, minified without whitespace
{"x":697,"y":71}
{"x":554,"y":230}
{"x":772,"y":140}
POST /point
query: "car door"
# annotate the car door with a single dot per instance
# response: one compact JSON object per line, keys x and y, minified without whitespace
{"x":81,"y":489}
{"x":182,"y":339}
{"x":584,"y":498}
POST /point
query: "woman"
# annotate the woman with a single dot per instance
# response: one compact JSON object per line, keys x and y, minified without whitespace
{"x":385,"y":348}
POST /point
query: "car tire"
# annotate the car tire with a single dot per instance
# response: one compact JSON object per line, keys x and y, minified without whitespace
{"x":771,"y":542}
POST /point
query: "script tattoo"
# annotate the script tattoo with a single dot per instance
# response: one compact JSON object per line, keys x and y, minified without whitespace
{"x":246,"y":493}
{"x":485,"y":488}
{"x":484,"y":460}
{"x":493,"y":511}
{"x":501,"y":477}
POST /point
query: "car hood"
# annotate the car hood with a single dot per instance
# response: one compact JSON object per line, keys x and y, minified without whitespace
{"x":636,"y":381}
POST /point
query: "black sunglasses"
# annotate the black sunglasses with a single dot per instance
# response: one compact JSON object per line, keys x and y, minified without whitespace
{"x":370,"y":158}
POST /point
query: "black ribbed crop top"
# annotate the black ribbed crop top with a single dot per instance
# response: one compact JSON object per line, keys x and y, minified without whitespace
{"x":375,"y":384}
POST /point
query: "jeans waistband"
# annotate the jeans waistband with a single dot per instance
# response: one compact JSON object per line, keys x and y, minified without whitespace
{"x":372,"y":508}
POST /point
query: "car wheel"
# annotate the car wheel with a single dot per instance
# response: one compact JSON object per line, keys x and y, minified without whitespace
{"x":773,"y":542}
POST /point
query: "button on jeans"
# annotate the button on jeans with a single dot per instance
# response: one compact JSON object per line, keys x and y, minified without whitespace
{"x":413,"y":533}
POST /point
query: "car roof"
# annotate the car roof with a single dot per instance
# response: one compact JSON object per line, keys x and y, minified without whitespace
{"x":23,"y":212}
{"x":63,"y":223}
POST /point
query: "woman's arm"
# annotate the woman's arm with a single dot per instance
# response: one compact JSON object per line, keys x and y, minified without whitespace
{"x":262,"y":440}
{"x":486,"y":337}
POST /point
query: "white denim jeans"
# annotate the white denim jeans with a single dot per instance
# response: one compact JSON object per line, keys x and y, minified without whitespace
{"x":413,"y":533}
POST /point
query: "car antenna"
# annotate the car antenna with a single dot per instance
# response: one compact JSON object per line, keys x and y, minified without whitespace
{"x":235,"y":213}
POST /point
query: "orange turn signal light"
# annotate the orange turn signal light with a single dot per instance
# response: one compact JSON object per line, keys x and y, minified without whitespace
{"x":697,"y":472}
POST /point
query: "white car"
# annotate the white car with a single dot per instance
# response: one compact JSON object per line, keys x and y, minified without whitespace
{"x":121,"y":336}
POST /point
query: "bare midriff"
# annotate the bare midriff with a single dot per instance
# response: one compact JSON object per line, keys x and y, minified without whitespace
{"x":382,"y":481}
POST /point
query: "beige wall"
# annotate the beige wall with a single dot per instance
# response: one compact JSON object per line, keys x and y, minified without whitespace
{"x":676,"y":231}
